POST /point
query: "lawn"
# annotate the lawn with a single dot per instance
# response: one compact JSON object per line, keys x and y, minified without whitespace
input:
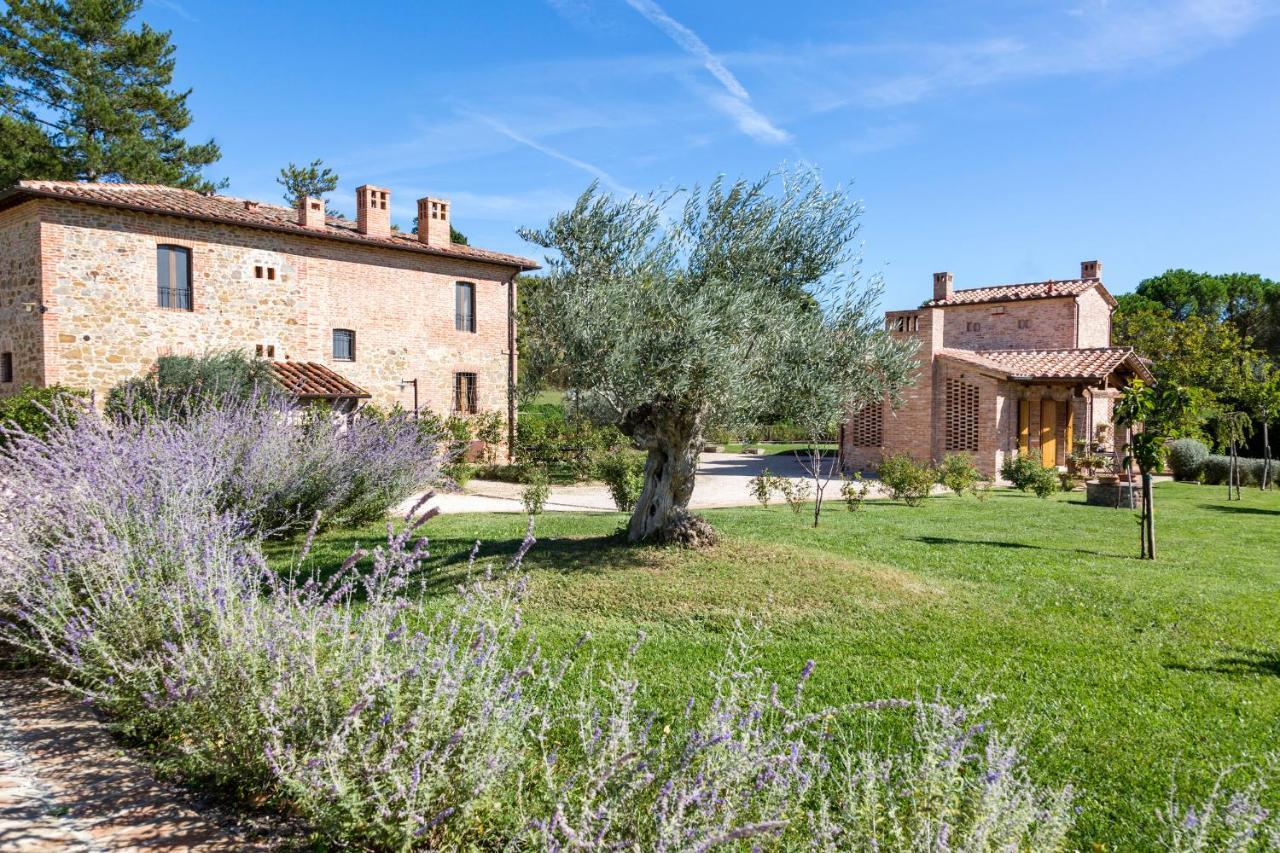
{"x":1127,"y":676}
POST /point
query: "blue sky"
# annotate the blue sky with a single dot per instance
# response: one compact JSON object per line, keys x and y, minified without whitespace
{"x":1001,"y":141}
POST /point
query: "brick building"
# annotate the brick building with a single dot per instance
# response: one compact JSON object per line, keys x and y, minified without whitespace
{"x":1001,"y":369}
{"x":97,"y":280}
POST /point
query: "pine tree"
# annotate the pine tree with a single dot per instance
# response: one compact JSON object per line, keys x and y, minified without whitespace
{"x":85,"y":95}
{"x":314,"y":179}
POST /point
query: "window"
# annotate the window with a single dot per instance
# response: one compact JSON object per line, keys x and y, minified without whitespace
{"x":265,"y":350}
{"x":269,"y":273}
{"x":962,"y":402}
{"x":6,"y":367}
{"x":464,"y":393}
{"x":972,"y":327}
{"x":173,"y":277}
{"x":344,"y":345}
{"x":464,"y":300}
{"x":1024,"y":324}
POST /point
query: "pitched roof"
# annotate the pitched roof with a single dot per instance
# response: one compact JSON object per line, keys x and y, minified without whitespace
{"x":1090,"y":364}
{"x":156,"y":198}
{"x":1020,"y":292}
{"x":308,"y":380}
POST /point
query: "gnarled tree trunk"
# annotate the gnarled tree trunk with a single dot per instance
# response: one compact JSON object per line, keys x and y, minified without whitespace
{"x":673,"y":437}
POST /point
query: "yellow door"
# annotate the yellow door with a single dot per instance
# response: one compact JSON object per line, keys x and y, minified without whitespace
{"x":1048,"y":428}
{"x":1024,"y":426}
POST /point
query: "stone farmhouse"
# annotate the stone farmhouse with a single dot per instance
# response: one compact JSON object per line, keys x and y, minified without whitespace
{"x":1002,"y":370}
{"x":97,"y":280}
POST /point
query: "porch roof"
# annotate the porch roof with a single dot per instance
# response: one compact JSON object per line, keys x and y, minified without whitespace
{"x":308,"y":380}
{"x":1092,"y":364}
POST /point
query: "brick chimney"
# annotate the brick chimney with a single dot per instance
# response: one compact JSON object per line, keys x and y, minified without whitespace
{"x":942,"y":285}
{"x":1091,"y":269}
{"x":311,"y":211}
{"x":433,"y":221}
{"x":373,"y":210}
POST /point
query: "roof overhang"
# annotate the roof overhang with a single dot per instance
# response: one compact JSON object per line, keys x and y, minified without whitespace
{"x":16,"y":195}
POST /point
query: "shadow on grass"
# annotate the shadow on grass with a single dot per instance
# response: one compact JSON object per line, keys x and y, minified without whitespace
{"x":450,"y":556}
{"x":1243,"y":662}
{"x":991,"y":543}
{"x":1244,"y":510}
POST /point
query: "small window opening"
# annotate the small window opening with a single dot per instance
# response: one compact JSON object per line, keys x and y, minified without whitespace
{"x":6,"y":367}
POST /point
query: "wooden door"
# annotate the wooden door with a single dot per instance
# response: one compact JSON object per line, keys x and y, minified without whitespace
{"x":1048,"y":433}
{"x":1024,"y":426}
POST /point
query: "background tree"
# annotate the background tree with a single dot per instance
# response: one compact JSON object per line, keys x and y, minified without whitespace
{"x":315,"y":179}
{"x":677,"y":328}
{"x":85,"y":95}
{"x":1247,"y":302}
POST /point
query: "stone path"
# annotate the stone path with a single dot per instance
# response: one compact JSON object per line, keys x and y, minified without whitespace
{"x":66,"y":785}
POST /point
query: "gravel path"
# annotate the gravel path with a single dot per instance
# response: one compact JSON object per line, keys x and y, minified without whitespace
{"x":722,"y":482}
{"x":66,"y":785}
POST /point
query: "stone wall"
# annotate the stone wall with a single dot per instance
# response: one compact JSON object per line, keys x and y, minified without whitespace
{"x":105,"y":324}
{"x":21,"y":331}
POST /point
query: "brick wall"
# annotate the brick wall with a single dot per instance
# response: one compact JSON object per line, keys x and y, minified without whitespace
{"x":1095,"y":320}
{"x":21,"y":331}
{"x":105,"y":325}
{"x":1046,"y":324}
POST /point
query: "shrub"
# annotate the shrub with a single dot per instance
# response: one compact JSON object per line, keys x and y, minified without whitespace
{"x":1216,"y":469}
{"x":762,"y":486}
{"x":1026,"y":473}
{"x":958,"y":473}
{"x":1186,"y":456}
{"x":534,"y":495}
{"x":623,"y":473}
{"x":33,"y":410}
{"x":183,"y":385}
{"x":460,"y":473}
{"x":854,"y":491}
{"x":488,"y":427}
{"x":906,"y":479}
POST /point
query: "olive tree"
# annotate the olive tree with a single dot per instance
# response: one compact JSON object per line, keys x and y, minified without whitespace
{"x":671,"y":317}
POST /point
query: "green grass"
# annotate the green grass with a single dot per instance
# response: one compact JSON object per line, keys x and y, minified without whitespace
{"x":774,"y":448}
{"x":1128,"y":676}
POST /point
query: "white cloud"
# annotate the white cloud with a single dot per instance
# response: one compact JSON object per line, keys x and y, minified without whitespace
{"x":515,"y":136}
{"x":737,"y":102}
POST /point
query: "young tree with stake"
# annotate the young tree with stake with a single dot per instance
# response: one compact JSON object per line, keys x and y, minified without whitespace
{"x":835,"y":361}
{"x":672,"y":328}
{"x":1153,"y":415}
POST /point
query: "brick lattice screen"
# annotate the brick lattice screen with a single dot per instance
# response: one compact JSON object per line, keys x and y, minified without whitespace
{"x":962,"y":416}
{"x":865,"y":428}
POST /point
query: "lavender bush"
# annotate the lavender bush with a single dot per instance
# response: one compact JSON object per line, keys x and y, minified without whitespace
{"x":130,"y":563}
{"x":1226,"y":820}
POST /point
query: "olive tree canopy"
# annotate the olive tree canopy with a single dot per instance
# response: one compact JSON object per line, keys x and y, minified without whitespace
{"x":674,"y":319}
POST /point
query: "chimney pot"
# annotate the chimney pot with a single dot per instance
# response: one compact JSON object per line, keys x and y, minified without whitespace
{"x":433,"y":222}
{"x":1091,"y":269}
{"x":373,"y":210}
{"x":942,"y":286}
{"x":311,"y":211}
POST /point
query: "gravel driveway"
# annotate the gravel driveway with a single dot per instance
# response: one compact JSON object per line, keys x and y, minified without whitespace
{"x":722,"y":481}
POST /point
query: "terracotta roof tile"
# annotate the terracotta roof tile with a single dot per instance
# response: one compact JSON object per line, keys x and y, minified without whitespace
{"x":1091,"y":364}
{"x":1019,"y":292}
{"x":309,"y":380}
{"x":155,"y":198}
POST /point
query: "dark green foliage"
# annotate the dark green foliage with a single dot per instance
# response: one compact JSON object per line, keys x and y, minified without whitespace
{"x":32,"y":409}
{"x":906,"y":479}
{"x":1186,"y":456}
{"x":180,"y":385}
{"x":1026,"y":472}
{"x":85,"y":95}
{"x":568,"y":445}
{"x":958,"y":473}
{"x":623,"y":473}
{"x":315,"y":179}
